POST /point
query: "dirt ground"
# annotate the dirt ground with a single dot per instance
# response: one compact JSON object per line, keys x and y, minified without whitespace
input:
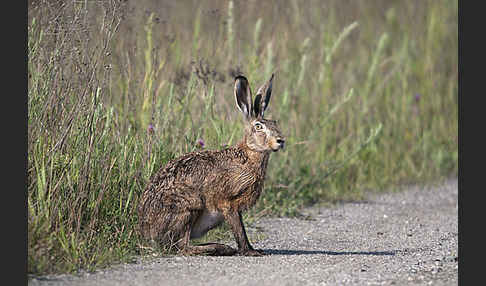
{"x":402,"y":238}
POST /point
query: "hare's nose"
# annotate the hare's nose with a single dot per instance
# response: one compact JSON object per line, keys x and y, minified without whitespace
{"x":281,"y":142}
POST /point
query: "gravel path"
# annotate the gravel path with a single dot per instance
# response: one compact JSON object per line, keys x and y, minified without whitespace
{"x":405,"y":238}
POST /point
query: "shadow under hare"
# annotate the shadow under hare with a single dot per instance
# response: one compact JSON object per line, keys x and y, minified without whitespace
{"x":198,"y":191}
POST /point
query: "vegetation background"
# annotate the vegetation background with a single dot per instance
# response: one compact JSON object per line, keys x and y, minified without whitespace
{"x":366,"y":93}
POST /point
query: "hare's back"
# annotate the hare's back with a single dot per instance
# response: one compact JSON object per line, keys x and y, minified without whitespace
{"x":191,"y":168}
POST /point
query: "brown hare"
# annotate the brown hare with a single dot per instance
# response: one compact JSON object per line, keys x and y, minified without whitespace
{"x":198,"y":191}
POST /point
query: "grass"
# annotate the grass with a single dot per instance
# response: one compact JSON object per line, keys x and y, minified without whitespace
{"x":366,"y":93}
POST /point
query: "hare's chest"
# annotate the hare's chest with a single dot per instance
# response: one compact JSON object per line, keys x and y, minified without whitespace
{"x":206,"y":221}
{"x":249,"y":197}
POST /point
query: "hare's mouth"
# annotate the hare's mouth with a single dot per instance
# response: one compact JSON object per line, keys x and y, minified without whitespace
{"x":279,"y":144}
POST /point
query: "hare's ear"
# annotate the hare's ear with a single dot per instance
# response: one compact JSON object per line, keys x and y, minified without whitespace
{"x":243,"y":96}
{"x":262,"y":98}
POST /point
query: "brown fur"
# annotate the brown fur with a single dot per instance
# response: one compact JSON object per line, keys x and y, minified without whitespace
{"x":197,"y":191}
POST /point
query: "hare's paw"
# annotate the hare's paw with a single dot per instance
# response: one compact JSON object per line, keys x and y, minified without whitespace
{"x":251,"y":252}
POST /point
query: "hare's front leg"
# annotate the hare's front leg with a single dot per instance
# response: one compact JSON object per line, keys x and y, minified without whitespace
{"x":235,"y":220}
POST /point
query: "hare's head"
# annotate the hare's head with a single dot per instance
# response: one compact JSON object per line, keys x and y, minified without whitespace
{"x":261,"y":134}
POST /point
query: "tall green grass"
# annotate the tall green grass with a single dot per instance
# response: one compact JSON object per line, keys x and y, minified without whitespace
{"x":365,"y":92}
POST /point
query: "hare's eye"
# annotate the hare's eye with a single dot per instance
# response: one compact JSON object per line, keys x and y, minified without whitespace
{"x":258,"y":126}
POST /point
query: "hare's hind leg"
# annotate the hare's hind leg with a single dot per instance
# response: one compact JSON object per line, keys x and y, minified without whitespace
{"x":166,"y":214}
{"x":174,"y":233}
{"x":168,"y":229}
